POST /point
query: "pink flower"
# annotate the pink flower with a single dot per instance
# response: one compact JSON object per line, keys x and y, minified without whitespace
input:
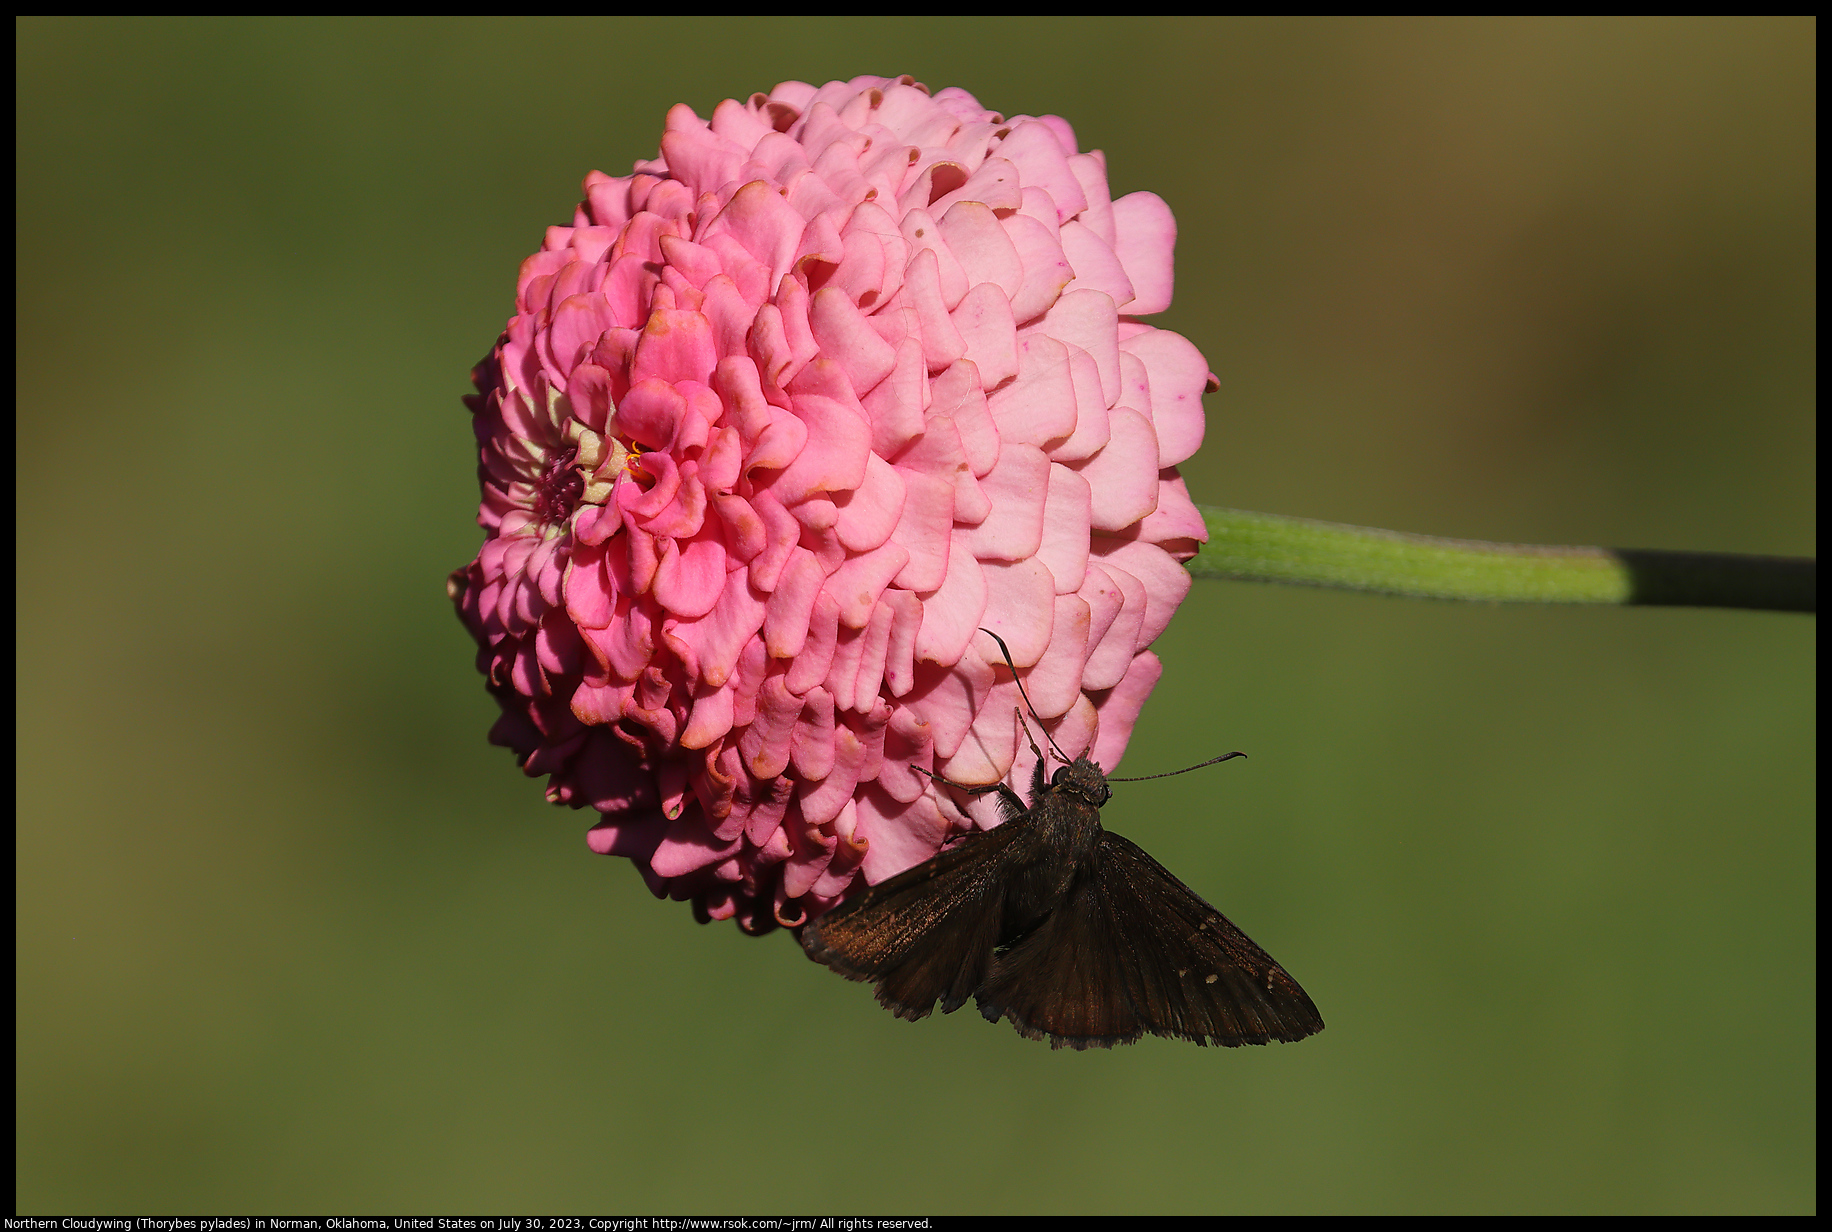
{"x":780,"y":422}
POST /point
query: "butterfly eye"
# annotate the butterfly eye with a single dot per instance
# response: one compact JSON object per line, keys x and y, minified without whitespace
{"x":1060,"y":777}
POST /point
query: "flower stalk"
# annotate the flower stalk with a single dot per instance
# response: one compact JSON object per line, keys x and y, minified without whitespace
{"x":1263,"y":547}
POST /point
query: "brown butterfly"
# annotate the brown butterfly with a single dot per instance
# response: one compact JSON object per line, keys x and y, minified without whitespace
{"x":1068,"y":930}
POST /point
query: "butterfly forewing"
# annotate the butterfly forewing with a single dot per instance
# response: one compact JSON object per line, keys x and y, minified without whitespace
{"x":926,"y":933}
{"x":1188,"y":972}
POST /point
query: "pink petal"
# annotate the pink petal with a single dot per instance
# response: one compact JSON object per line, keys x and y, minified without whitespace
{"x":1040,"y":160}
{"x":833,"y":460}
{"x":1123,"y":477}
{"x":810,"y":667}
{"x":1039,"y":407}
{"x":959,"y":396}
{"x":719,"y":636}
{"x":923,"y":528}
{"x":922,"y":291}
{"x":1116,"y":607}
{"x":785,"y":622}
{"x":844,"y":337}
{"x":869,"y":513}
{"x":1096,"y":268}
{"x":1020,"y":605}
{"x":766,"y":742}
{"x":1145,"y":237}
{"x":1092,"y":426}
{"x":974,"y":235}
{"x":1119,"y":710}
{"x":990,"y":746}
{"x":1087,"y":319}
{"x":688,"y":847}
{"x":857,"y":584}
{"x":1090,"y":172}
{"x":650,"y":413}
{"x":984,"y":323}
{"x":896,"y":406}
{"x":900,"y":835}
{"x":1066,"y":513}
{"x":821,"y":802}
{"x":929,"y":252}
{"x":1178,"y":376}
{"x":690,"y":576}
{"x":947,"y":698}
{"x":1017,"y":488}
{"x":811,"y":750}
{"x":1176,"y":516}
{"x":951,"y":614}
{"x":1046,"y":269}
{"x":1166,"y":581}
{"x":1054,"y":683}
{"x":768,"y":228}
{"x":995,"y":183}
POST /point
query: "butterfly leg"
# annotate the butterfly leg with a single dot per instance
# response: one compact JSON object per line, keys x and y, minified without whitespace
{"x":1007,"y":796}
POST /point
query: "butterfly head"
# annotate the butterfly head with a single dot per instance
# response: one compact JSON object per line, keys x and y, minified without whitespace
{"x":1083,"y":779}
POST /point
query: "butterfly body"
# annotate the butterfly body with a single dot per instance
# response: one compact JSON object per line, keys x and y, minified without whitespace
{"x":1064,"y":928}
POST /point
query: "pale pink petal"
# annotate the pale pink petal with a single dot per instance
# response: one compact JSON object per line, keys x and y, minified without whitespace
{"x":1178,"y":375}
{"x":1176,"y":517}
{"x":857,"y":584}
{"x":1145,"y":236}
{"x":897,"y":405}
{"x":1046,"y":269}
{"x":1039,"y":407}
{"x":1054,"y":682}
{"x":869,"y":513}
{"x":1123,"y":477}
{"x":841,"y":330}
{"x":959,"y":397}
{"x":1116,"y":604}
{"x":929,"y":252}
{"x":1066,"y":517}
{"x":1166,"y":581}
{"x":1041,"y":160}
{"x":974,"y":235}
{"x":951,"y":614}
{"x":1093,"y":427}
{"x":985,"y":325}
{"x":1087,"y":319}
{"x":923,"y":528}
{"x":1095,"y":265}
{"x":1119,"y":710}
{"x":1020,"y":604}
{"x":1017,"y":488}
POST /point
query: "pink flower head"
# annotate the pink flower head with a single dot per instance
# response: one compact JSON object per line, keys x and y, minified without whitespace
{"x":780,"y":422}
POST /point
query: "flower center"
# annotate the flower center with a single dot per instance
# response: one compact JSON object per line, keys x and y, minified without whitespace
{"x":560,"y":486}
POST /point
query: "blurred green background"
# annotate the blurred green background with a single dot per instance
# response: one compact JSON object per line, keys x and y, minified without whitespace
{"x":292,"y":938}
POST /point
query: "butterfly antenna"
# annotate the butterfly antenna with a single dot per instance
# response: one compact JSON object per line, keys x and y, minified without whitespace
{"x":1006,"y":650}
{"x":1169,"y":773}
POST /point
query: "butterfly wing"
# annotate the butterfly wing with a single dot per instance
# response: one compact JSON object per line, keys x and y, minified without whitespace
{"x":1188,"y":972}
{"x":926,"y":933}
{"x":1064,"y":981}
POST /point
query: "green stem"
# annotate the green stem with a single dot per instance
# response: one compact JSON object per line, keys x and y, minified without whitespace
{"x":1264,"y":547}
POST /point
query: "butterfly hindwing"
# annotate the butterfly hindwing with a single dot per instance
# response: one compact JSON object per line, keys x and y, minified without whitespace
{"x":1063,"y":981}
{"x":1188,"y":972}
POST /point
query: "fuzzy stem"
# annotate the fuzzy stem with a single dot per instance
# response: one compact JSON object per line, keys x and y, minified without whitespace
{"x":1264,"y":547}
